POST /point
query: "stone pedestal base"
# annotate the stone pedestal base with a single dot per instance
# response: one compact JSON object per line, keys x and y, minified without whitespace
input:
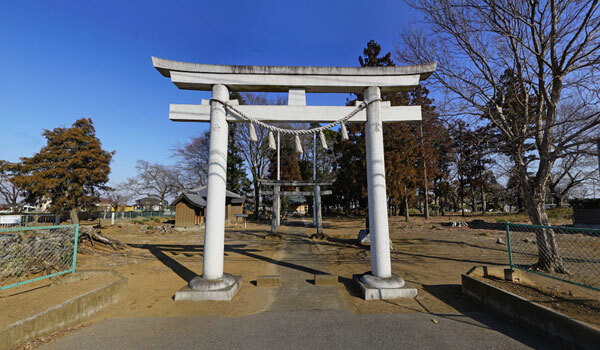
{"x":200,"y":289}
{"x":375,"y":288}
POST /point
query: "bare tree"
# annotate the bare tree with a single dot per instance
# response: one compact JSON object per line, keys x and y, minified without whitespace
{"x":156,"y":181}
{"x":11,"y":194}
{"x":193,"y":159}
{"x":529,"y":69}
{"x":256,"y":154}
{"x":574,"y":170}
{"x":119,"y":195}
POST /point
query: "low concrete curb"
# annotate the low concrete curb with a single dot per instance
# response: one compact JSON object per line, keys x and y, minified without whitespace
{"x":268,"y":281}
{"x":568,"y":331}
{"x":326,"y":280}
{"x":67,"y":313}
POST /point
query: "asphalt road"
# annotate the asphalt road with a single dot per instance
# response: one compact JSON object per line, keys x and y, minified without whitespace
{"x":320,"y":329}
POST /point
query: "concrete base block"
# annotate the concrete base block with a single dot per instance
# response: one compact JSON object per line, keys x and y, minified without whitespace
{"x":225,"y":294}
{"x":512,"y":275}
{"x":326,"y":280}
{"x":268,"y":281}
{"x":373,"y":293}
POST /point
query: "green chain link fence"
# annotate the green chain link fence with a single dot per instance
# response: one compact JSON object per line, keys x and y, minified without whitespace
{"x":579,"y":249}
{"x":30,"y":254}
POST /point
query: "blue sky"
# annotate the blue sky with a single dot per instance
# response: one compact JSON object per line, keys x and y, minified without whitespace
{"x":63,"y":60}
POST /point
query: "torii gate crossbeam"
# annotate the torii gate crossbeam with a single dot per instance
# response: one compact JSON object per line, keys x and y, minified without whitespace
{"x":220,"y":79}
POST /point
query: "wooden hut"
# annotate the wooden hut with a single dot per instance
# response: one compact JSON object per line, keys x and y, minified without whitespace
{"x":189,"y":210}
{"x":234,"y":204}
{"x":190,"y":207}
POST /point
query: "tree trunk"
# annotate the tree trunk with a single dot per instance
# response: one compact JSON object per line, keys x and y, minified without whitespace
{"x":534,"y":193}
{"x":74,"y":216}
{"x":548,"y":256}
{"x":161,"y":204}
{"x":426,"y":200}
{"x":406,"y":215}
{"x":483,"y":204}
{"x":462,"y":199}
{"x":256,"y":200}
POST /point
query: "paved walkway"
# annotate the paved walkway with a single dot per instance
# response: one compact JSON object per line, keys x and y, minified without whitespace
{"x":304,"y":316}
{"x":300,"y":261}
{"x":322,"y":329}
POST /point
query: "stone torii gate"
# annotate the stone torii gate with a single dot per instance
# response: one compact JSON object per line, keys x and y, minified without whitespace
{"x":380,"y":283}
{"x":277,"y":193}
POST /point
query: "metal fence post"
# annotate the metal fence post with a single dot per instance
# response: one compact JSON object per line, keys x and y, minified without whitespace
{"x":75,"y":247}
{"x":508,"y":246}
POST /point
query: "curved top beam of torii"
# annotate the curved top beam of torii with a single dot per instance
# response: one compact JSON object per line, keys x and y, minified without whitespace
{"x":196,"y":76}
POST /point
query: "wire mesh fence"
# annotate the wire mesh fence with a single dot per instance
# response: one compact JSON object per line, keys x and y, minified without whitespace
{"x":572,"y":254}
{"x":29,"y":254}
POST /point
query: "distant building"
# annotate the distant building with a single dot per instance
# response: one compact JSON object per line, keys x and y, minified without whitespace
{"x":104,"y":205}
{"x":586,"y":212}
{"x":149,"y":204}
{"x":190,"y":207}
{"x":297,"y":204}
{"x":5,"y":208}
{"x":43,"y":205}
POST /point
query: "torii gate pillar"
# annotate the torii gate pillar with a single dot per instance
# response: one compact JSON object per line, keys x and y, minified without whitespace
{"x":378,"y":220}
{"x":214,"y":284}
{"x":214,"y":234}
{"x":380,"y":283}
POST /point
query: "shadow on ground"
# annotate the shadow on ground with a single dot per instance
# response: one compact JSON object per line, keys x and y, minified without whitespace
{"x":160,"y":252}
{"x":449,"y":294}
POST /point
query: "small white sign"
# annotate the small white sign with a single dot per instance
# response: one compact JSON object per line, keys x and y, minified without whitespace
{"x":10,"y":219}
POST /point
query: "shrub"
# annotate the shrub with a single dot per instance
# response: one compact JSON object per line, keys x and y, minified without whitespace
{"x":560,"y":213}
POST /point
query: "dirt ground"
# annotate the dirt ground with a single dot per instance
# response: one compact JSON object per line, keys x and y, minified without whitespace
{"x":429,"y":255}
{"x":20,"y":302}
{"x":157,"y":264}
{"x":579,"y":303}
